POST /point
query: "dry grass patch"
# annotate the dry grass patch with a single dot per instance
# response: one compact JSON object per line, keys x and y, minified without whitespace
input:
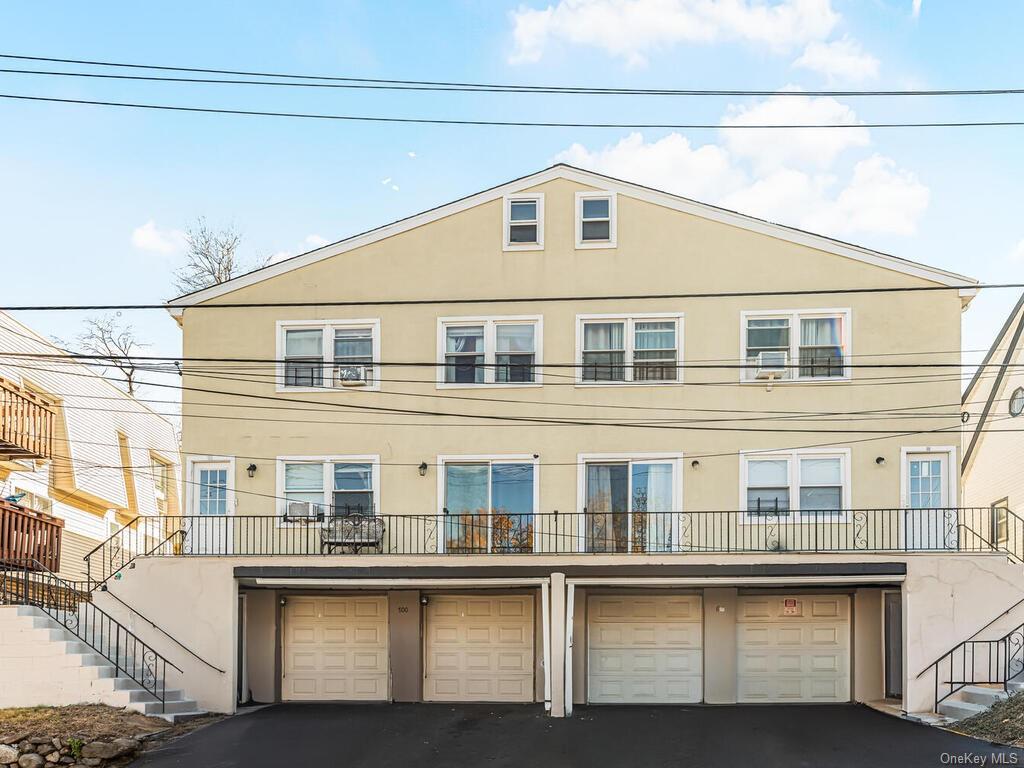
{"x":1003,"y":722}
{"x":88,"y":722}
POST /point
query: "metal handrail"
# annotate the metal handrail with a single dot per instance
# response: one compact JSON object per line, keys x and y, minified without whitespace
{"x":30,"y":583}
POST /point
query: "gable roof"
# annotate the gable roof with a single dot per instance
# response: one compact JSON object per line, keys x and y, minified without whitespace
{"x":589,"y":178}
{"x":1009,"y":336}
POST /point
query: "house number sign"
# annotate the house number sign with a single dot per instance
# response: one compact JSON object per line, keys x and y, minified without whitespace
{"x":790,"y":607}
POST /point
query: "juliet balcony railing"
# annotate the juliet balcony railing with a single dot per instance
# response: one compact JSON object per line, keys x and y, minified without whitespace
{"x":26,"y":424}
{"x":500,"y":533}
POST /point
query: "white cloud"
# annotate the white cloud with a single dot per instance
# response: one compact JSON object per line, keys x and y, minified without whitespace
{"x":411,"y":154}
{"x":316,"y":241}
{"x":632,"y":29}
{"x":149,"y":237}
{"x":915,"y":9}
{"x":765,"y":176}
{"x":386,"y":181}
{"x":768,"y":149}
{"x":840,"y":61}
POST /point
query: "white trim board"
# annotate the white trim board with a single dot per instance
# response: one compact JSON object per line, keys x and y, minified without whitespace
{"x":601,"y":183}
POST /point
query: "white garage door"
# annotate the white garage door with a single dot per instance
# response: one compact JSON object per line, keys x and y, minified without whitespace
{"x":479,"y":648}
{"x":335,"y":648}
{"x":644,"y":649}
{"x":793,"y":648}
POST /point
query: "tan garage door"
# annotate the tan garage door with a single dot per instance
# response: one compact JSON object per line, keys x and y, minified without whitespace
{"x":793,"y":648}
{"x":644,"y":649}
{"x":479,"y":648}
{"x":335,"y":648}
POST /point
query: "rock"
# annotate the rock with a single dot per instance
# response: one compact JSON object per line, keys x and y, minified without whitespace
{"x":53,"y":757}
{"x":8,"y":755}
{"x":56,"y":742}
{"x":67,"y":760}
{"x":45,"y":748}
{"x":36,"y":740}
{"x":92,"y":762}
{"x":13,"y":737}
{"x":109,"y":750}
{"x":31,"y":761}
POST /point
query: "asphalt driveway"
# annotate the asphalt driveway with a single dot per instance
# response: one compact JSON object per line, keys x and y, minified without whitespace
{"x":476,"y":735}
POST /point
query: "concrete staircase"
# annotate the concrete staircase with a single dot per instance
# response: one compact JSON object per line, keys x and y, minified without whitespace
{"x":44,"y":664}
{"x":973,"y":700}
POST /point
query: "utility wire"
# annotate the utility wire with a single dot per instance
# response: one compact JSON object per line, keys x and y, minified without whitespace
{"x":509,"y":123}
{"x":514,"y":88}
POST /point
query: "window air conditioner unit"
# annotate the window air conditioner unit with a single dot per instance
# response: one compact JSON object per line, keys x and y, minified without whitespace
{"x":352,"y":375}
{"x":302,"y":510}
{"x":771,"y":365}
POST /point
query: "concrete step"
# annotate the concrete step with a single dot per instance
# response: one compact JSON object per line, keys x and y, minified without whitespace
{"x":180,"y":717}
{"x":959,"y":709}
{"x":166,"y":708}
{"x":979,"y":694}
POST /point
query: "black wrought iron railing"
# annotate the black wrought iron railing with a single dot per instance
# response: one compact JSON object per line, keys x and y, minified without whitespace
{"x":70,"y":605}
{"x":501,"y":532}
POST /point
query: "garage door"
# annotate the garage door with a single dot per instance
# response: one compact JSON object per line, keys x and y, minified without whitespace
{"x":793,"y":648}
{"x":336,"y":648}
{"x":479,"y":648}
{"x":644,"y":649}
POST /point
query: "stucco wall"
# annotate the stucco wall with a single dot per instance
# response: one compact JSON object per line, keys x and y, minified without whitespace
{"x":868,"y":644}
{"x":261,"y":643}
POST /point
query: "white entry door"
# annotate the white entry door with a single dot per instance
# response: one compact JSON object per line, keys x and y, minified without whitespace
{"x":928,"y":522}
{"x":208,"y":526}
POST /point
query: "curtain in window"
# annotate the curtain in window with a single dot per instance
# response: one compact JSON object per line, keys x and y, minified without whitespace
{"x":304,"y":482}
{"x":304,"y":343}
{"x":514,"y":354}
{"x":303,"y":351}
{"x":821,"y":351}
{"x":821,"y":484}
{"x":465,"y":524}
{"x":353,"y":489}
{"x":768,"y":485}
{"x":654,"y":351}
{"x":604,"y":351}
{"x":512,"y":507}
{"x":464,"y":349}
{"x":353,"y":345}
{"x":607,"y":517}
{"x":652,"y":507}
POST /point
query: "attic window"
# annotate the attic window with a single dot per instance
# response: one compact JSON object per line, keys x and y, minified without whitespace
{"x":595,"y":220}
{"x":1017,"y":402}
{"x":523,"y":223}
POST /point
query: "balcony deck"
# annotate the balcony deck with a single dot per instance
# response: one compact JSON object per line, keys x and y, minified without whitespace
{"x":29,"y":536}
{"x":26,"y":424}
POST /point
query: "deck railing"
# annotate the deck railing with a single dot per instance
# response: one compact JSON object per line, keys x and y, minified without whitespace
{"x":28,"y":535}
{"x":976,"y":529}
{"x":26,"y":423}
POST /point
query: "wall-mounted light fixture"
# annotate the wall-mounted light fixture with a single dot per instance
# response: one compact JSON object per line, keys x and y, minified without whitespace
{"x":424,"y":599}
{"x":423,"y":469}
{"x":694,"y":464}
{"x":880,"y":461}
{"x":251,"y":470}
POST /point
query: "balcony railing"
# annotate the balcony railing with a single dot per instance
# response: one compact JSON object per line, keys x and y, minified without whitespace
{"x":26,"y":424}
{"x":978,"y":529}
{"x":28,"y":535}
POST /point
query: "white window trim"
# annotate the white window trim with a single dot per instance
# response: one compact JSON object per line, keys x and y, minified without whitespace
{"x":328,"y":327}
{"x":952,"y":467}
{"x":489,"y":458}
{"x":794,"y":457}
{"x":673,"y":457}
{"x":630,"y":340}
{"x":328,"y":461}
{"x":489,"y":322}
{"x":612,"y":241}
{"x":506,"y":207}
{"x":746,"y":375}
{"x":190,"y":481}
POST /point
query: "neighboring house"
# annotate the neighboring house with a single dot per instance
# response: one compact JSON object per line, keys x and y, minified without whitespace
{"x":107,"y":457}
{"x":485,"y":468}
{"x":993,"y":446}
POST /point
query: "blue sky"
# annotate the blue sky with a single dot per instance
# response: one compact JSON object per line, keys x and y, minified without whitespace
{"x":92,"y":200}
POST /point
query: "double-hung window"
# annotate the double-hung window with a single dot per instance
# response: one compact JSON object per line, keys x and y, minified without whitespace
{"x":161,"y":484}
{"x":595,"y":220}
{"x":808,"y":482}
{"x":630,"y":504}
{"x":332,"y":354}
{"x":317,"y":487}
{"x":796,"y":345}
{"x":523,"y":222}
{"x":641,"y":348}
{"x":489,"y":350}
{"x":489,"y":504}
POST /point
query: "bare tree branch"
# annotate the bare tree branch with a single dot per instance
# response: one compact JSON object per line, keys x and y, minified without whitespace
{"x":211,"y":258}
{"x":105,"y":336}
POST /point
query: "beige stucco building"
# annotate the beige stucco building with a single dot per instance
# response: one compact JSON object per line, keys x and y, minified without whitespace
{"x":572,"y":441}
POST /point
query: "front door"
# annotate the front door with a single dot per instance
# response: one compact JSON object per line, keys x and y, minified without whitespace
{"x":893,"y":632}
{"x":929,"y":522}
{"x":207,"y":528}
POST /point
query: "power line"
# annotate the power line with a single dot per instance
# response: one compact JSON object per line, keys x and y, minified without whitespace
{"x":510,"y":299}
{"x":367,"y":82}
{"x":509,"y":123}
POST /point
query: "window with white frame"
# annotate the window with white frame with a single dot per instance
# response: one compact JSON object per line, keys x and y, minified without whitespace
{"x":336,"y":354}
{"x":796,"y":345}
{"x":315,"y":487}
{"x":780,"y":483}
{"x":524,"y":222}
{"x":642,"y":348}
{"x":489,"y":504}
{"x":630,"y":504}
{"x":489,"y":351}
{"x":595,"y":219}
{"x":161,"y":484}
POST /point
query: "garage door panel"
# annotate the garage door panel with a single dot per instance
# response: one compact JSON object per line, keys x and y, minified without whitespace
{"x":479,"y":649}
{"x":617,"y":635}
{"x":644,"y":690}
{"x":793,"y":648}
{"x":336,"y":649}
{"x":656,"y":607}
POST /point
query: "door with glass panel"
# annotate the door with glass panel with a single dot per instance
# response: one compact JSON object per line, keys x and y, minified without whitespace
{"x":489,"y":506}
{"x":929,"y":523}
{"x":629,"y":506}
{"x":208,"y":530}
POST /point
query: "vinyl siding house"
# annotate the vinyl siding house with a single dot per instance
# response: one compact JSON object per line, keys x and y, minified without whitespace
{"x":110,"y":459}
{"x":572,"y":441}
